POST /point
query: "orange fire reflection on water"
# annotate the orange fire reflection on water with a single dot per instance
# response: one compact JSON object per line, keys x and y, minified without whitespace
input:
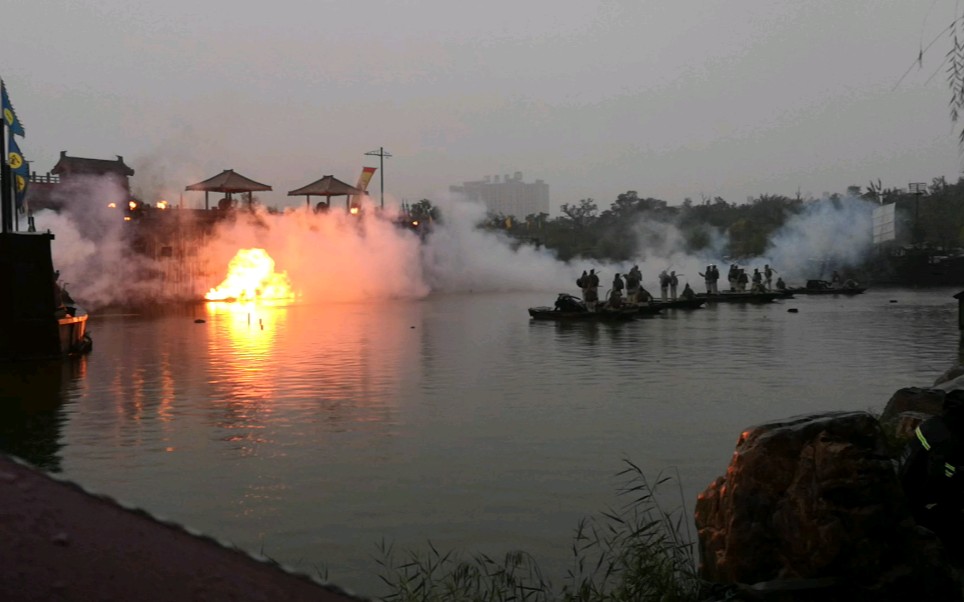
{"x":251,"y":277}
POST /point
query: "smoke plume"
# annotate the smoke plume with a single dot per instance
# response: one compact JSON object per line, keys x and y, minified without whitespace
{"x":336,"y":257}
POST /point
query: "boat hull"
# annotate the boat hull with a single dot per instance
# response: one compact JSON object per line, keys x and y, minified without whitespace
{"x":603,"y":315}
{"x":828,"y":291}
{"x":74,"y":339}
{"x":745,"y":297}
{"x":695,"y":303}
{"x":37,"y":325}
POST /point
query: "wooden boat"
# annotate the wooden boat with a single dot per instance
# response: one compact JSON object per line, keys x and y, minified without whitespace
{"x":741,"y":297}
{"x":603,"y":314}
{"x":571,"y":308}
{"x":822,"y":287}
{"x":693,"y":303}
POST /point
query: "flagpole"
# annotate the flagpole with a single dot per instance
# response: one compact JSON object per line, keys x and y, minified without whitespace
{"x":6,"y":198}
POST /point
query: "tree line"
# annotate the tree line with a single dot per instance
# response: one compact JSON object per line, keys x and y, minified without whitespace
{"x":932,"y":219}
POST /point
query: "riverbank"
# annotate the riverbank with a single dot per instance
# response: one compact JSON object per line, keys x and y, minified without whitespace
{"x":59,"y":542}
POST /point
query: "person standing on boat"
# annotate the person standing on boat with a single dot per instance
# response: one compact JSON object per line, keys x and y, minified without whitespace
{"x":673,"y":283}
{"x":616,"y":295}
{"x":733,"y":276}
{"x":715,"y":280}
{"x":768,"y":275}
{"x":583,"y":283}
{"x":592,"y":292}
{"x":708,"y":279}
{"x":742,"y":280}
{"x":835,"y":279}
{"x":633,"y":280}
{"x":664,"y":285}
{"x":757,"y":281}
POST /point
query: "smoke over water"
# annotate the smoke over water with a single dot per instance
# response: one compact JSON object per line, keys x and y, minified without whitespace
{"x":827,"y":235}
{"x":335,"y":257}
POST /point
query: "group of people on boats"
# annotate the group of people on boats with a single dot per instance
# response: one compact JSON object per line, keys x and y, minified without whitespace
{"x":629,"y":290}
{"x":739,"y":280}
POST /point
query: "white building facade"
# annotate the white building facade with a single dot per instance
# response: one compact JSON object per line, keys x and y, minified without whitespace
{"x":508,"y":196}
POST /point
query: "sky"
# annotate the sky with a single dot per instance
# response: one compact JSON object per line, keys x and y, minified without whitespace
{"x":674,"y":100}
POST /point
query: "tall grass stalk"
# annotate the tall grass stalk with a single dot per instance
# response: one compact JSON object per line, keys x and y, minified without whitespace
{"x":638,"y":552}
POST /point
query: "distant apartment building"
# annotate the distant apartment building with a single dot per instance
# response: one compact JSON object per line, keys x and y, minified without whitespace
{"x":507,"y":195}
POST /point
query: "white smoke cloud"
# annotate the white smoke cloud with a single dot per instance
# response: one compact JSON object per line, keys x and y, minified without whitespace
{"x":335,"y":257}
{"x":827,"y":235}
{"x":459,"y":257}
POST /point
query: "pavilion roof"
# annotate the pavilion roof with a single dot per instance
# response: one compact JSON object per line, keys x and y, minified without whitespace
{"x":228,"y":181}
{"x":327,"y":186}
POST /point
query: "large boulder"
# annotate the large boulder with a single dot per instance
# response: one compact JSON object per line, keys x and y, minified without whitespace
{"x":913,"y":399}
{"x":815,"y":499}
{"x":952,"y":373}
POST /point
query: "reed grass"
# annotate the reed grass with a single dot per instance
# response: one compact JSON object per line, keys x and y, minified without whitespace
{"x":637,"y":552}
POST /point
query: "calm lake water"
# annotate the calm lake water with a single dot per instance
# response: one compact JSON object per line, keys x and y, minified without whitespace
{"x":313,"y":433}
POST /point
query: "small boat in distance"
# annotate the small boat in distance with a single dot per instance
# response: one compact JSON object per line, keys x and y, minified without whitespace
{"x":822,"y":287}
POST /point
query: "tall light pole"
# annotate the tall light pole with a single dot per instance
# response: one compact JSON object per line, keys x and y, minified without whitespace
{"x":917,"y":189}
{"x":381,"y":153}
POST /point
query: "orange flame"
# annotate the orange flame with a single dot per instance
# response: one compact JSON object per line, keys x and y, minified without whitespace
{"x":251,"y":277}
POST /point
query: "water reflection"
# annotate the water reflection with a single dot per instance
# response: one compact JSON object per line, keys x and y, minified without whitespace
{"x":32,"y":397}
{"x":243,"y":376}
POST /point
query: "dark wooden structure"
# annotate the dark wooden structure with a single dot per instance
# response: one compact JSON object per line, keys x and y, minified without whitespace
{"x":43,"y":190}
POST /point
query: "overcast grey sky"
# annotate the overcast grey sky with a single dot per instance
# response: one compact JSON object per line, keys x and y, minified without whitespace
{"x":671,"y":99}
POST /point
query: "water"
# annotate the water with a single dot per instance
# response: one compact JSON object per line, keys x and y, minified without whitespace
{"x":313,"y":433}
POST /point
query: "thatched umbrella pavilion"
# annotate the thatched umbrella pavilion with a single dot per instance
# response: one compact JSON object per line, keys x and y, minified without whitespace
{"x":228,"y":182}
{"x":328,"y":186}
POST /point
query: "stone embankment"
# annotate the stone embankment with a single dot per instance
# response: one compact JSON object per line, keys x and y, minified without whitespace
{"x":811,"y":508}
{"x":58,"y":542}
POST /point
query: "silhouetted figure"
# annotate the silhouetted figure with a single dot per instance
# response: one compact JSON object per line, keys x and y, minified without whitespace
{"x":592,"y":295}
{"x":768,"y":275}
{"x":616,"y":294}
{"x":708,"y":279}
{"x":634,"y":280}
{"x":932,"y":474}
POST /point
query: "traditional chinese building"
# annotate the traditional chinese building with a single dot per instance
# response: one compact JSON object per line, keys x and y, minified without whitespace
{"x":47,"y":191}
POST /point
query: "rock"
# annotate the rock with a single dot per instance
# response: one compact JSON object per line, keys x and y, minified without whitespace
{"x":913,"y":399}
{"x":905,"y":423}
{"x":816,"y":498}
{"x":951,"y":373}
{"x":950,"y":384}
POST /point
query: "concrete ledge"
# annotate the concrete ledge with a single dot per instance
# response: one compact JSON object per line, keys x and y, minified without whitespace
{"x":60,"y":542}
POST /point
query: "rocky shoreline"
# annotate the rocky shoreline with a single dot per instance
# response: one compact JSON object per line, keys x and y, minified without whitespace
{"x":811,"y":508}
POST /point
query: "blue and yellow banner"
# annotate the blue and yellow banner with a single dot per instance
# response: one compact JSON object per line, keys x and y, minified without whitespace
{"x":18,"y":169}
{"x":9,"y":115}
